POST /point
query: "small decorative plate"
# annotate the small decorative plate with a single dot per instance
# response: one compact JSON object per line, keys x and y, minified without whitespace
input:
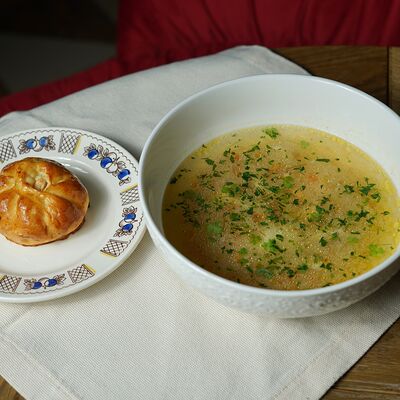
{"x":113,"y":226}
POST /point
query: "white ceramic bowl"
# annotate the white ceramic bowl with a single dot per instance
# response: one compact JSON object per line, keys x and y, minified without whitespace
{"x":257,"y":100}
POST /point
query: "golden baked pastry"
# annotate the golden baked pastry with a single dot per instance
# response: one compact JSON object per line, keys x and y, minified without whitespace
{"x":40,"y":202}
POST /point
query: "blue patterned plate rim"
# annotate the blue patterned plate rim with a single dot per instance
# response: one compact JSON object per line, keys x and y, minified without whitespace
{"x":114,"y":224}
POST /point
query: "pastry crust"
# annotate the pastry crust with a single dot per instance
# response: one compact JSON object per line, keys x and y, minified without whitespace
{"x":40,"y":202}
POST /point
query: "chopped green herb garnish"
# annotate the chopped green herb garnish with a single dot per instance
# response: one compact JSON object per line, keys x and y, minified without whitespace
{"x":367,"y":188}
{"x":231,"y":189}
{"x":209,"y":161}
{"x":361,"y":214}
{"x":316,"y":216}
{"x":334,"y":236}
{"x":290,"y":273}
{"x":376,"y":196}
{"x":288,"y":182}
{"x":265,"y":273}
{"x":323,"y":242}
{"x":214,"y":228}
{"x":247,"y":175}
{"x":249,"y":188}
{"x":235,"y":217}
{"x":302,"y":267}
{"x":255,"y":239}
{"x":272,"y":246}
{"x":327,"y":266}
{"x":348,"y":189}
{"x":271,"y":132}
{"x":375,"y":250}
{"x":304,"y":144}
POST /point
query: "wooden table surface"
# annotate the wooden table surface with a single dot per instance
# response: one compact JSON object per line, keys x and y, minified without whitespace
{"x":375,"y":70}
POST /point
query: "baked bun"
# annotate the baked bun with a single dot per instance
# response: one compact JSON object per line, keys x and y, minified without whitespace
{"x":40,"y":202}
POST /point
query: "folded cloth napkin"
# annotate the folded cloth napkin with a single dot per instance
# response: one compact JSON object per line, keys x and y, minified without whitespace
{"x":142,"y":334}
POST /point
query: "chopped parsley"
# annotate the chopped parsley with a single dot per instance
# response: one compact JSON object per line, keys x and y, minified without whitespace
{"x":214,"y":229}
{"x":231,"y":189}
{"x":304,"y":144}
{"x":265,"y":273}
{"x":271,"y":132}
{"x":243,"y":251}
{"x":272,"y":247}
{"x":288,"y":182}
{"x":348,"y":189}
{"x":255,"y":239}
{"x":327,"y":266}
{"x":247,"y":191}
{"x":235,"y":217}
{"x":375,"y":250}
{"x":323,"y":242}
{"x":302,"y":267}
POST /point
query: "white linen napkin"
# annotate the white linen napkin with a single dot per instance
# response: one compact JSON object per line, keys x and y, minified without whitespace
{"x":141,"y":333}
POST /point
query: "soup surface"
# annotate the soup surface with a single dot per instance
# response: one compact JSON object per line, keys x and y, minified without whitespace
{"x":282,"y":207}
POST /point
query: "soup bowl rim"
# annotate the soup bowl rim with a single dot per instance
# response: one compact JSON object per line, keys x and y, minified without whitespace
{"x":154,"y":230}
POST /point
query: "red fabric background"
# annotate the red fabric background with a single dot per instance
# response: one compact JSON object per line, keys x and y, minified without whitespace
{"x":164,"y":31}
{"x":155,"y":32}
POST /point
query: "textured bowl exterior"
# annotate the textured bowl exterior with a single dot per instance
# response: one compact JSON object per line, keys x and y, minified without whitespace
{"x":257,"y":100}
{"x":264,"y":303}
